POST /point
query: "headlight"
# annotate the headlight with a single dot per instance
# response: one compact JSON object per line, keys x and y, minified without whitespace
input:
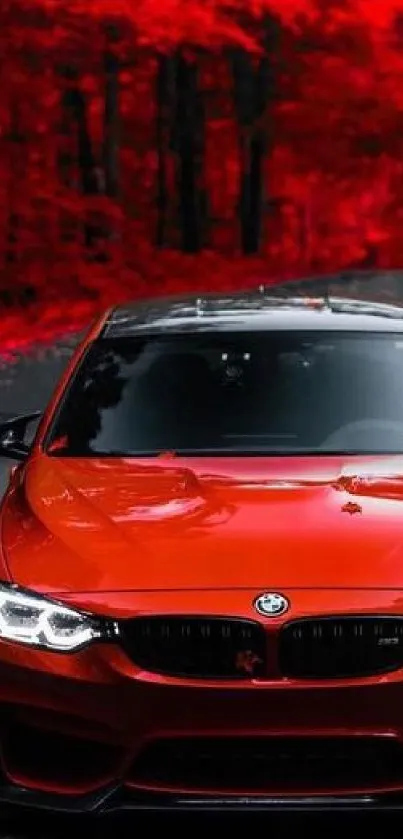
{"x":32,"y":619}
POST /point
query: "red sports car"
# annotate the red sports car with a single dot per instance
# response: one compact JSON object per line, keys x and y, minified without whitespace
{"x":201,"y":598}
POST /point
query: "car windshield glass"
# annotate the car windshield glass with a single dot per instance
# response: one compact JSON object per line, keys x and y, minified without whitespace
{"x":235,"y":393}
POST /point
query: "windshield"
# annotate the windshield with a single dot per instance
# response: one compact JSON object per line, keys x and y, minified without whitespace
{"x":241,"y":393}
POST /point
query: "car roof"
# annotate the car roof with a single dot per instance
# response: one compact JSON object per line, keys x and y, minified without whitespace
{"x":354,"y":302}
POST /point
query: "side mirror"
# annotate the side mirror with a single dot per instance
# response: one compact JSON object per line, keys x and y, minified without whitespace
{"x":12,"y":435}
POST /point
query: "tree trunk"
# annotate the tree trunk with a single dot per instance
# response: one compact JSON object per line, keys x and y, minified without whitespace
{"x":89,"y":176}
{"x":251,"y":192}
{"x":253,"y":91}
{"x":16,"y":290}
{"x":163,"y":96}
{"x":111,"y":119}
{"x":16,"y":140}
{"x":65,"y":157}
{"x":86,"y":161}
{"x":76,"y":109}
{"x":188,"y":142}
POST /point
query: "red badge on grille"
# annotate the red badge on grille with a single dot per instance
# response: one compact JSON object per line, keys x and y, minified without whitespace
{"x":246,"y":661}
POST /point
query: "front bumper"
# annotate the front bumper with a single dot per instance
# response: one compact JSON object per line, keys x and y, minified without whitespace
{"x":100,"y":713}
{"x":130,"y":716}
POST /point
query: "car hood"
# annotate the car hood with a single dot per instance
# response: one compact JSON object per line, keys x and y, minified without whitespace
{"x":77,"y":525}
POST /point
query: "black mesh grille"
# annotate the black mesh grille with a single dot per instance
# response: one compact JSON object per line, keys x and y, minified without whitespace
{"x":336,"y":647}
{"x":216,"y":648}
{"x":270,"y":764}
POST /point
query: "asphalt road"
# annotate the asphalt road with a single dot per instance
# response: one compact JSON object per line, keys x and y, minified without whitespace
{"x":26,"y":386}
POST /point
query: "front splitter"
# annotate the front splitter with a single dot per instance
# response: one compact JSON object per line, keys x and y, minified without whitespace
{"x":120,"y":800}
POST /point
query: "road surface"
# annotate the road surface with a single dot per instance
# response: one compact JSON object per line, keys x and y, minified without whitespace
{"x":26,"y":384}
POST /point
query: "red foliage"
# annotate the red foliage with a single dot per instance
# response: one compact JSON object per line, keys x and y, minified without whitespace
{"x":93,"y":154}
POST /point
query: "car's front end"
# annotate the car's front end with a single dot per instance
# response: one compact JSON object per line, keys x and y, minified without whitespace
{"x":196,"y":702}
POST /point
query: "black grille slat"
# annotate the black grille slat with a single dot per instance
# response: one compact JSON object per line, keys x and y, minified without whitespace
{"x":337,"y":647}
{"x":270,"y":763}
{"x":198,"y":647}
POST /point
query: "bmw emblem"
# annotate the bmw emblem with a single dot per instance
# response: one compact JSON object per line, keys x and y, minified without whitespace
{"x":271,"y":604}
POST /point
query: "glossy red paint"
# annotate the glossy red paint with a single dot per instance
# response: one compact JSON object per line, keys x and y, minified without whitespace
{"x":176,"y":524}
{"x":194,"y":536}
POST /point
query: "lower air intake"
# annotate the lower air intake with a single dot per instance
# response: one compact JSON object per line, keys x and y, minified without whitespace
{"x":270,"y":764}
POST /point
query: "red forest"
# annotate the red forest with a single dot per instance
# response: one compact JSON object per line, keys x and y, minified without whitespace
{"x":161,"y":145}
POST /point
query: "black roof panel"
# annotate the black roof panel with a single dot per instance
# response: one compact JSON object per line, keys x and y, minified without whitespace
{"x":356,"y":301}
